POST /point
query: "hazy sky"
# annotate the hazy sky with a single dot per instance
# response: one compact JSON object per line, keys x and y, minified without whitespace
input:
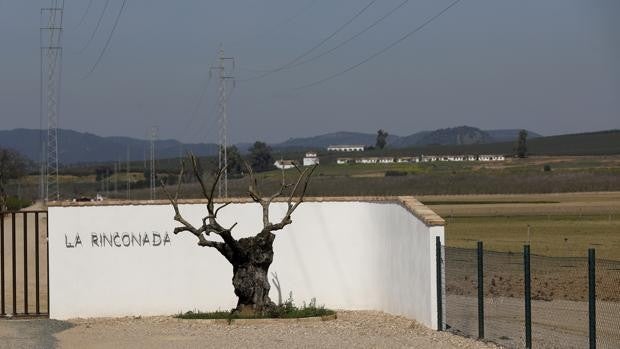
{"x":552,"y":66}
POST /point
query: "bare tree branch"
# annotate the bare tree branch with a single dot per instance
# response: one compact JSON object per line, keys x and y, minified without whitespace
{"x":299,"y":188}
{"x":209,"y":223}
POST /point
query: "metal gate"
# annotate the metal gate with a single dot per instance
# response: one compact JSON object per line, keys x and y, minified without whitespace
{"x":24,"y":271}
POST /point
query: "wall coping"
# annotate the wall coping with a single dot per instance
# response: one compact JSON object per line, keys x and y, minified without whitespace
{"x":415,"y":207}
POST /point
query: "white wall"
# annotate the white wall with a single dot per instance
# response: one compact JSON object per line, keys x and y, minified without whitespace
{"x":349,"y":255}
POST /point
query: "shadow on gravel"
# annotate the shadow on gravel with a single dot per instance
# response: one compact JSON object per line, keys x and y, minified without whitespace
{"x":30,"y":333}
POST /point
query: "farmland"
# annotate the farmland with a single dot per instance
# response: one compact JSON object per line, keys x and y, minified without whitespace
{"x":560,"y":225}
{"x":570,"y":203}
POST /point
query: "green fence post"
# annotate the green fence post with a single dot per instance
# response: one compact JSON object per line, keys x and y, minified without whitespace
{"x":528,"y":296}
{"x":439,"y":284}
{"x":592,"y":296}
{"x":480,"y":292}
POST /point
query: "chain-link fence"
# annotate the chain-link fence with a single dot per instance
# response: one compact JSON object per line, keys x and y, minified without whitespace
{"x":486,"y":296}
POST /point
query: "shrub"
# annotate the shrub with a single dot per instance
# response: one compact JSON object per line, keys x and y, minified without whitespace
{"x":394,"y":173}
{"x":15,"y":204}
{"x":547,"y":168}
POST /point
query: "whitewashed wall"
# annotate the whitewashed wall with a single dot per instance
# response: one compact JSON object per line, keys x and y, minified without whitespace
{"x":349,"y":255}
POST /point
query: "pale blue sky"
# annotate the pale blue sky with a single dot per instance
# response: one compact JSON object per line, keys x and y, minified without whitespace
{"x":552,"y":66}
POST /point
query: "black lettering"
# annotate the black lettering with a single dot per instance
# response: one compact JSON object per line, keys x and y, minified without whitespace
{"x":116,"y":235}
{"x":107,"y":238}
{"x":67,"y":243}
{"x":146,"y":239}
{"x":94,"y":240}
{"x":137,"y":240}
{"x":166,"y":239}
{"x":126,"y":242}
{"x":78,"y":241}
{"x":156,"y":239}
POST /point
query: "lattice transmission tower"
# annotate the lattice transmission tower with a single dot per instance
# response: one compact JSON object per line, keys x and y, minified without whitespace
{"x":154,"y":136}
{"x":224,"y":69}
{"x":51,"y":72}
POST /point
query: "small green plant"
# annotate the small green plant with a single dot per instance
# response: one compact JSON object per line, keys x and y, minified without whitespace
{"x":286,"y":310}
{"x":547,"y":168}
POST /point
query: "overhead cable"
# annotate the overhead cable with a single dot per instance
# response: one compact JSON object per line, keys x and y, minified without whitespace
{"x":382,"y":51}
{"x":90,"y":4}
{"x":286,"y":21}
{"x":343,"y":43}
{"x":107,"y":43}
{"x":309,"y":51}
{"x":92,"y":35}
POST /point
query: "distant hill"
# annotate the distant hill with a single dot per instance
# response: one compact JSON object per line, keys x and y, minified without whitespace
{"x":509,"y":135}
{"x":590,"y":143}
{"x":461,"y":135}
{"x":78,"y":147}
{"x":445,"y":136}
{"x":323,"y":141}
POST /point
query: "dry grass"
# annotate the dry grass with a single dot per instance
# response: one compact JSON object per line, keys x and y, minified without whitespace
{"x":563,"y":225}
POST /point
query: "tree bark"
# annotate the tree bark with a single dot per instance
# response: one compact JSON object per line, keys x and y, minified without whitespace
{"x":250,"y":273}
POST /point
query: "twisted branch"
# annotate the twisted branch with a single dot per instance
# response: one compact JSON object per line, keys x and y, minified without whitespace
{"x":209,"y":223}
{"x":292,"y":202}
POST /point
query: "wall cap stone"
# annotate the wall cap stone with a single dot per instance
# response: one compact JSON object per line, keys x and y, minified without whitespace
{"x":415,"y":207}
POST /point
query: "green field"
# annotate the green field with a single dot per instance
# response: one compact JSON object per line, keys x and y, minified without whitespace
{"x":552,"y":235}
{"x":560,"y":225}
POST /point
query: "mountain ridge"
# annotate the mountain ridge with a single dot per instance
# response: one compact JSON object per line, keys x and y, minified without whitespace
{"x":84,"y":147}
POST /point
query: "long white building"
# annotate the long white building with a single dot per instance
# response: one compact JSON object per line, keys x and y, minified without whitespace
{"x":345,"y":148}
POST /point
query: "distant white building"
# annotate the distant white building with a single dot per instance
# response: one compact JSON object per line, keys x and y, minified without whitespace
{"x":311,"y":159}
{"x":406,"y":159}
{"x":472,"y":158}
{"x":345,"y":148}
{"x":386,"y":160}
{"x":366,"y":160}
{"x":284,"y":164}
{"x":456,"y":158}
{"x":488,"y":157}
{"x":429,"y":158}
{"x":344,"y":161}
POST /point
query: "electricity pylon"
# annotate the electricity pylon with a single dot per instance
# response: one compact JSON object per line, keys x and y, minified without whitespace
{"x":154,"y":132}
{"x":51,"y":69}
{"x":224,"y":72}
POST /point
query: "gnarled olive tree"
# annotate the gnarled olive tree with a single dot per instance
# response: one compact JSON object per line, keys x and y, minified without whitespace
{"x":251,"y":256}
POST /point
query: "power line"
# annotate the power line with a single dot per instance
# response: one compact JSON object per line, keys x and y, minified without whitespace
{"x":90,"y":4}
{"x":201,"y":100}
{"x":92,"y":35}
{"x":286,"y":21}
{"x":309,"y":51}
{"x":196,"y":108}
{"x":382,"y":51}
{"x":343,"y":43}
{"x":107,"y":44}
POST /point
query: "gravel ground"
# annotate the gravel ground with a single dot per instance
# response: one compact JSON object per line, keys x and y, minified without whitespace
{"x":32,"y":333}
{"x":359,"y":329}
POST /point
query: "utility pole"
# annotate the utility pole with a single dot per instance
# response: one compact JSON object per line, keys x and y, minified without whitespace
{"x":51,"y":68}
{"x":154,"y":132}
{"x":128,"y":176}
{"x":117,"y":166}
{"x":224,"y":72}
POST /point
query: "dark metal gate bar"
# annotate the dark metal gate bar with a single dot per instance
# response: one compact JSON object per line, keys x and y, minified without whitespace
{"x":30,"y":295}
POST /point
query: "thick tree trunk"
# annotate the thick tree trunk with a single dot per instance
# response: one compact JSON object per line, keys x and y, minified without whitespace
{"x":250,"y":273}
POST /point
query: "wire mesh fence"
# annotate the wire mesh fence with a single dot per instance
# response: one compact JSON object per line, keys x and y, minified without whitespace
{"x":559,"y":297}
{"x":461,"y":300}
{"x":608,"y":303}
